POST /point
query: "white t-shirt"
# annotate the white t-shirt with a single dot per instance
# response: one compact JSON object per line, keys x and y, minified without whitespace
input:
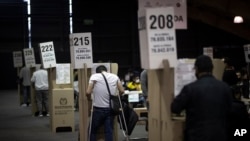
{"x":40,"y":78}
{"x":100,"y":91}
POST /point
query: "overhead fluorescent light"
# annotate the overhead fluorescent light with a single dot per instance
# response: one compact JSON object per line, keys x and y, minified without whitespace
{"x":238,"y":19}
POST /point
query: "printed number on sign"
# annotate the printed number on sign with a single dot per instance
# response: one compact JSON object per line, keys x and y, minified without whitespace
{"x":79,"y":41}
{"x":28,"y":52}
{"x":161,"y":21}
{"x":47,"y":48}
{"x":17,"y":55}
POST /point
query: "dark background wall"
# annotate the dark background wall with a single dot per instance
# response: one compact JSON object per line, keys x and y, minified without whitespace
{"x":113,"y":25}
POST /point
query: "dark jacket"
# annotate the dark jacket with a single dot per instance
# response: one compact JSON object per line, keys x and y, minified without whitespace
{"x":207,"y":102}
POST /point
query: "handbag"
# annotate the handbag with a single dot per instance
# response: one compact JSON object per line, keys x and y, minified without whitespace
{"x":114,"y":101}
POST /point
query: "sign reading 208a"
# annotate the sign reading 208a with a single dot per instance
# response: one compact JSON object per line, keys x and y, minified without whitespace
{"x":161,"y":21}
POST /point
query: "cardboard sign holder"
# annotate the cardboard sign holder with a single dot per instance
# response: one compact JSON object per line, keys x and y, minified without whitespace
{"x":219,"y":67}
{"x":161,"y":93}
{"x":61,"y":103}
{"x":85,"y":106}
{"x":19,"y":87}
{"x":33,"y":93}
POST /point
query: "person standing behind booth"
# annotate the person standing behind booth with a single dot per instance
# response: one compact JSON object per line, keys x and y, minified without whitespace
{"x":144,"y":87}
{"x":24,"y":77}
{"x":245,"y":82}
{"x":207,"y":103}
{"x":101,"y":102}
{"x":229,"y":75}
{"x":40,"y":79}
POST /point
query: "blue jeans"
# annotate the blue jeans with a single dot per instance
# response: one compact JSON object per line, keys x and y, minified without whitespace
{"x":102,"y":116}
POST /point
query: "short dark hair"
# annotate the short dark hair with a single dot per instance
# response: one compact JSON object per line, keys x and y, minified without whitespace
{"x":100,"y":68}
{"x":204,"y":63}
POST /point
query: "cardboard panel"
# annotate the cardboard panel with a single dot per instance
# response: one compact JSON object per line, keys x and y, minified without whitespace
{"x":154,"y":77}
{"x":62,"y":110}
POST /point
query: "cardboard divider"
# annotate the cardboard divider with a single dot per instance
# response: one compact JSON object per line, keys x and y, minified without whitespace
{"x":34,"y":108}
{"x":161,"y":93}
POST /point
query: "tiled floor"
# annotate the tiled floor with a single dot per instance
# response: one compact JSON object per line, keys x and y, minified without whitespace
{"x":18,"y":124}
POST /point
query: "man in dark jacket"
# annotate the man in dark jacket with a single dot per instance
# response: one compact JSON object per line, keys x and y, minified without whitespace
{"x":207,"y":103}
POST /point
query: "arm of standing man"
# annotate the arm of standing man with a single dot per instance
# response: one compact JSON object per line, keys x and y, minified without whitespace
{"x":120,"y":87}
{"x":90,"y":89}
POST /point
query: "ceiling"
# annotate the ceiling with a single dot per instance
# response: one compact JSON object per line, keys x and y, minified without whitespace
{"x":220,"y":14}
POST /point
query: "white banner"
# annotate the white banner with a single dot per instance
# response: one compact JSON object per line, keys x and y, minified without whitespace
{"x":48,"y":54}
{"x":81,"y":50}
{"x":184,"y":74}
{"x":17,"y":59}
{"x":157,"y":37}
{"x":62,"y":73}
{"x":29,"y":57}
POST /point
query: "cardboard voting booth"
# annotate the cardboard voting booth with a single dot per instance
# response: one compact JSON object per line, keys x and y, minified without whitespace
{"x":18,"y":63}
{"x":159,"y":57}
{"x":61,"y":98}
{"x":85,"y":106}
{"x":61,"y":92}
{"x":82,"y":60}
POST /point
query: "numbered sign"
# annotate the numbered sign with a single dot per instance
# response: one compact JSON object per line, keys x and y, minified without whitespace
{"x":157,"y":37}
{"x":17,"y":59}
{"x":48,"y":55}
{"x":247,"y":52}
{"x":81,"y":50}
{"x":29,"y":57}
{"x":208,"y":51}
{"x":180,"y":9}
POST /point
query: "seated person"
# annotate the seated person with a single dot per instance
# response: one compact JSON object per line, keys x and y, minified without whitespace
{"x":135,"y":85}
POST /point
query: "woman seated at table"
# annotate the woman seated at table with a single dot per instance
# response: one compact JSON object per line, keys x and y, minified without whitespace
{"x":135,"y":85}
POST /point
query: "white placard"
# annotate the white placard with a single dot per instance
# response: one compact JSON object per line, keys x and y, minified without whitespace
{"x":81,"y":50}
{"x":247,"y":52}
{"x":29,"y":57}
{"x":208,"y":51}
{"x":180,"y":9}
{"x":133,"y":97}
{"x":95,"y":65}
{"x":17,"y":59}
{"x":62,"y":73}
{"x":48,"y":54}
{"x":184,"y":74}
{"x":157,"y":37}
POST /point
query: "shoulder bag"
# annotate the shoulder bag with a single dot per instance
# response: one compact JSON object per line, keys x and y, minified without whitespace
{"x":114,"y":102}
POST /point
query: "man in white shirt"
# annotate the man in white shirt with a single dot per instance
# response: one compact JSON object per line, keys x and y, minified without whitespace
{"x":24,"y":76}
{"x":40,"y":78}
{"x":101,"y":101}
